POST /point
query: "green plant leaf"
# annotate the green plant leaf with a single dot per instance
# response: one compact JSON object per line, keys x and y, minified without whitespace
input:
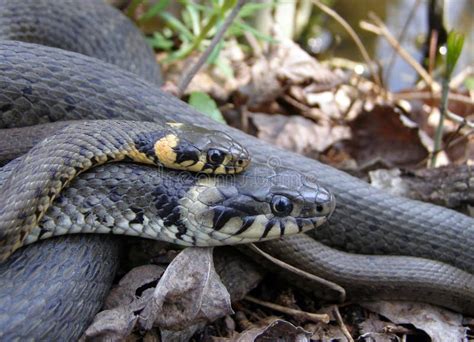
{"x":206,"y":105}
{"x":159,"y":41}
{"x":244,"y":27}
{"x":194,"y":18}
{"x":177,"y":26}
{"x":228,"y":4}
{"x":251,"y":7}
{"x":454,"y":46}
{"x":154,"y":10}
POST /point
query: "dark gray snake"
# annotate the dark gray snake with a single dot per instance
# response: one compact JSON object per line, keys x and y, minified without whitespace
{"x":427,"y":250}
{"x":55,"y":160}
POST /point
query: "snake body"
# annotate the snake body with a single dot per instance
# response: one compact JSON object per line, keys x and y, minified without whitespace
{"x":366,"y":221}
{"x":53,"y":162}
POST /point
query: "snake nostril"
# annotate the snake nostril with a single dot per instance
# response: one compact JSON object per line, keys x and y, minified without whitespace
{"x":319,"y":208}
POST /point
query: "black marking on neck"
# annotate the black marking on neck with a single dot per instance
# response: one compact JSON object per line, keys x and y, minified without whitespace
{"x":145,"y":142}
{"x":185,"y":152}
{"x":166,"y":198}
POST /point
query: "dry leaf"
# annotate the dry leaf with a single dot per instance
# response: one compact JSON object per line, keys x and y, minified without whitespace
{"x":383,"y":135}
{"x":124,"y":303}
{"x":296,"y":133}
{"x":295,"y":66}
{"x":133,"y":284}
{"x":278,"y":330}
{"x":373,"y":328}
{"x":190,"y":291}
{"x":440,"y":324}
{"x":115,"y":324}
{"x":325,"y":332}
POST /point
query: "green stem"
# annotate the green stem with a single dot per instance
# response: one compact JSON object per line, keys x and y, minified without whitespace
{"x":219,"y":12}
{"x":439,"y":130}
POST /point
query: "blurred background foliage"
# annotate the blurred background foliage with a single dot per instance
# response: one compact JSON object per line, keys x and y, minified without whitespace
{"x":185,"y":26}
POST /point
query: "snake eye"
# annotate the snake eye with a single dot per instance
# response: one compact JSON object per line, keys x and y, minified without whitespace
{"x":281,"y":205}
{"x":215,"y":157}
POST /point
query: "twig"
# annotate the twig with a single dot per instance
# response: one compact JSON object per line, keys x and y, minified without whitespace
{"x":432,"y":51}
{"x":190,"y":73}
{"x":449,"y":115}
{"x":400,"y":38}
{"x":380,"y":29}
{"x":343,"y":327}
{"x":425,"y":95}
{"x":459,"y":119}
{"x":354,"y":36}
{"x":297,"y":271}
{"x":289,"y":311}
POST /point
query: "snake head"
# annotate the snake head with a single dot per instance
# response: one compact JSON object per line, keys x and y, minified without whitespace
{"x":197,"y":149}
{"x":264,"y":203}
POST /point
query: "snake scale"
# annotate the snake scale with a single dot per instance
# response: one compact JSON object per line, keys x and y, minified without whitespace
{"x":427,"y":250}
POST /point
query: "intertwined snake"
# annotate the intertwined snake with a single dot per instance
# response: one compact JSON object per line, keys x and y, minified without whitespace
{"x":427,"y":249}
{"x":53,"y":162}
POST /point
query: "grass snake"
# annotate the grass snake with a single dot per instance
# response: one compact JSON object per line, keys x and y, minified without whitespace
{"x":421,"y":244}
{"x":54,"y":161}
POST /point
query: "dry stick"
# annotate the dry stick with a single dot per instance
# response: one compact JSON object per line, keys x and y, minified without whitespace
{"x":190,"y":73}
{"x":425,"y":95}
{"x":400,"y":38}
{"x":432,"y":51}
{"x":450,"y":115}
{"x":297,"y":271}
{"x":380,"y":29}
{"x":354,"y":36}
{"x":289,"y":311}
{"x":343,"y":327}
{"x":459,"y":119}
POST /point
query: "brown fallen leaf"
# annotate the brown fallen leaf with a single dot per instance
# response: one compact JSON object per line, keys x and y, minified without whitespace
{"x":124,"y":304}
{"x":278,"y":330}
{"x":296,"y":133}
{"x":283,"y":65}
{"x":372,"y":327}
{"x":190,"y":291}
{"x":325,"y":332}
{"x":133,"y":284}
{"x":294,"y":65}
{"x":115,"y":324}
{"x":383,"y":135}
{"x":440,"y":324}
